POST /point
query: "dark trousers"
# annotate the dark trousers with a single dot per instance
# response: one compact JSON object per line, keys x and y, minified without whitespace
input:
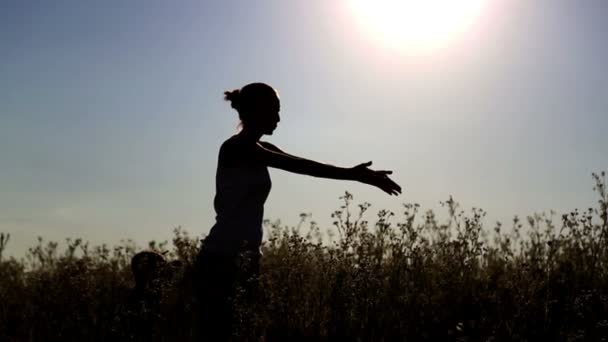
{"x":217,"y":278}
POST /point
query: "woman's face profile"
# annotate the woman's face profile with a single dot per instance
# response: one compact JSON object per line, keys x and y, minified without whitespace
{"x":267,"y":114}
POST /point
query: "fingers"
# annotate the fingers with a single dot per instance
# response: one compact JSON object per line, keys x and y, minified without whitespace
{"x":387,"y":185}
{"x":363,"y":165}
{"x":380,"y":179}
{"x":393,"y":191}
{"x":394,"y":188}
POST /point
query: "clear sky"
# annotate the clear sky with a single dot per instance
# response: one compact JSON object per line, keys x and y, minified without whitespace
{"x":111,"y":112}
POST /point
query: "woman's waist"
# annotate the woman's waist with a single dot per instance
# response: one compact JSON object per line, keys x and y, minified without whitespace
{"x":235,"y":232}
{"x":240,"y":219}
{"x":231,"y":247}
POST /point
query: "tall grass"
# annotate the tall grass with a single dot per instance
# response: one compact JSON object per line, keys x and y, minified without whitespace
{"x":410,"y":278}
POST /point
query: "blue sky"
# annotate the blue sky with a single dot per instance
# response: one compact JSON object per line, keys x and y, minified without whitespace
{"x":111,"y":112}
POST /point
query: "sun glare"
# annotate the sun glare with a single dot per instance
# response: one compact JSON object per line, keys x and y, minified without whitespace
{"x":416,"y":25}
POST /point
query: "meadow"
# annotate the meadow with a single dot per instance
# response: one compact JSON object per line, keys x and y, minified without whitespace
{"x":399,"y":277}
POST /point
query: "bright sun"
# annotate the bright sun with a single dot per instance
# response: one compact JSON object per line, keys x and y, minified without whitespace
{"x":416,"y":25}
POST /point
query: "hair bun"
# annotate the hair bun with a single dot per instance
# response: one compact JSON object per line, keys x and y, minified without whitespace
{"x":233,"y":96}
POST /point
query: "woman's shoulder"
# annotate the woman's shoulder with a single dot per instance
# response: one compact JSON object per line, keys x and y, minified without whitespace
{"x":234,"y":151}
{"x":232,"y":145}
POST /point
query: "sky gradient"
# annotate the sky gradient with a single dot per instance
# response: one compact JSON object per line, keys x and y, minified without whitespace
{"x":111,"y":112}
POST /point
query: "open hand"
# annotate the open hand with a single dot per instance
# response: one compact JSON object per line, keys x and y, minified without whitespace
{"x":376,"y":178}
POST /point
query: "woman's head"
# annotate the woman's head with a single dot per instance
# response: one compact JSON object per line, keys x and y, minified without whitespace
{"x":258,"y":106}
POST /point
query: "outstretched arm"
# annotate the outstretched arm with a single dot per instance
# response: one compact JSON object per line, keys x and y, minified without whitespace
{"x":275,"y":157}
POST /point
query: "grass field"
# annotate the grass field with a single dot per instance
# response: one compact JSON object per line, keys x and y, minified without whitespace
{"x":405,"y":276}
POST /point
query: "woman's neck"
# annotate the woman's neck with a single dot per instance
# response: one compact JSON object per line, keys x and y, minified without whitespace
{"x":250,"y":136}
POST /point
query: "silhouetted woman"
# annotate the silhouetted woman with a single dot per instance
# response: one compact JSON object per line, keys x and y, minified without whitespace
{"x":242,"y":186}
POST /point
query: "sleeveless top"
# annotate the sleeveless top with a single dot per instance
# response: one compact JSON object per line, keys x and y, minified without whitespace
{"x":242,"y":187}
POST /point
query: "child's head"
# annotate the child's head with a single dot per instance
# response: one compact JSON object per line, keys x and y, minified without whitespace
{"x":147,"y":266}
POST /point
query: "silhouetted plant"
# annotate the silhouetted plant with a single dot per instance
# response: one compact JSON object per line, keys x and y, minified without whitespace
{"x":3,"y":241}
{"x":402,"y":277}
